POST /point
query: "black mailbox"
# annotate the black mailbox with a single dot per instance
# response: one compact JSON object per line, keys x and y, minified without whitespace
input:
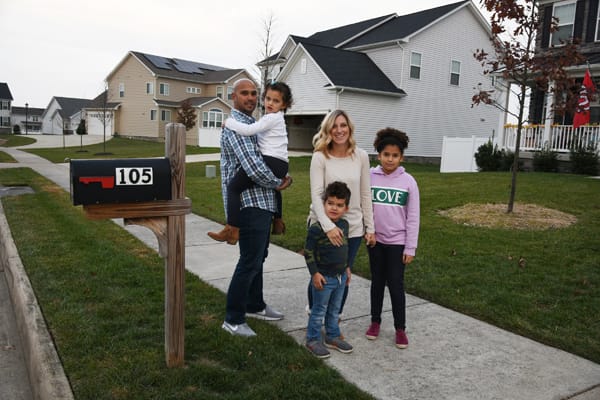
{"x":120,"y":180}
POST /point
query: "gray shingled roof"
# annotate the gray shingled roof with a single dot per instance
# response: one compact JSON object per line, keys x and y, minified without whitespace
{"x":192,"y":71}
{"x":351,"y":69}
{"x":333,"y":37}
{"x":5,"y":92}
{"x":70,"y":106}
{"x":403,"y":26}
{"x":98,"y":102}
{"x":30,"y":110}
{"x":196,"y":101}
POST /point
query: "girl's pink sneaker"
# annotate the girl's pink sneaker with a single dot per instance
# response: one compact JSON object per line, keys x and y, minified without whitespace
{"x":373,"y":331}
{"x":401,"y":339}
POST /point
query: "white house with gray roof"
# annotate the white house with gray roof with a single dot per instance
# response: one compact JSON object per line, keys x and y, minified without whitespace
{"x":62,"y":115}
{"x":414,"y":72}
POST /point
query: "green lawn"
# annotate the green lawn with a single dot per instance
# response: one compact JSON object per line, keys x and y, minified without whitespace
{"x":83,"y":271}
{"x":554,"y":299}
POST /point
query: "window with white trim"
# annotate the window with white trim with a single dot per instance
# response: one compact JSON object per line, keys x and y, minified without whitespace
{"x":163,"y":89}
{"x":454,"y":72}
{"x":415,"y":65}
{"x":220,"y":92}
{"x":121,"y":89}
{"x":192,"y":90}
{"x":149,"y":88}
{"x":153,"y":115}
{"x":165,"y":115}
{"x":213,"y":118}
{"x":564,"y":12}
{"x":229,"y":92}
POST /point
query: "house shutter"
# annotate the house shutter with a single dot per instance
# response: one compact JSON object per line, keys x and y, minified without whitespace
{"x":579,"y":19}
{"x":546,"y":26}
{"x":591,"y":23}
{"x":536,"y":106}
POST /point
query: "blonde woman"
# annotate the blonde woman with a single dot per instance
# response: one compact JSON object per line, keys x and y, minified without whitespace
{"x":337,"y":158}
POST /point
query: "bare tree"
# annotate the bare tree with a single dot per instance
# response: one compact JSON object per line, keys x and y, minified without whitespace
{"x":104,"y":115}
{"x":266,"y":52}
{"x":515,"y":24}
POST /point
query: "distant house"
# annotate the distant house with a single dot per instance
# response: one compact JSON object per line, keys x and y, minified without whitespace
{"x":32,"y":115}
{"x":414,"y":72}
{"x":149,"y":89}
{"x":5,"y":105}
{"x":62,"y":115}
{"x":578,"y":19}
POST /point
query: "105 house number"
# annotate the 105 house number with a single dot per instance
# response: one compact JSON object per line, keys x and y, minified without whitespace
{"x":134,"y":176}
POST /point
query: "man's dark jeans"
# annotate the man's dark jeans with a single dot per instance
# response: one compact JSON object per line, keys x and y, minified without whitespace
{"x":245,"y":292}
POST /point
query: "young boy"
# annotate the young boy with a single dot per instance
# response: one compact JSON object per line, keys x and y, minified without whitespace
{"x":328,"y":267}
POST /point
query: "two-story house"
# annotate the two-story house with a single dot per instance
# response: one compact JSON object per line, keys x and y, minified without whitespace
{"x":576,"y":19}
{"x":29,"y":119}
{"x":414,"y":72}
{"x":150,"y":89}
{"x":5,"y":105}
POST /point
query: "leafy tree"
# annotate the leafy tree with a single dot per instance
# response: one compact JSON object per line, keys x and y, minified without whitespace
{"x":514,"y":26}
{"x":81,"y":130}
{"x":186,"y":115}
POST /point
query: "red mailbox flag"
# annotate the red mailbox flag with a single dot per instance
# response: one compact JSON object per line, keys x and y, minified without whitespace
{"x":582,"y":111}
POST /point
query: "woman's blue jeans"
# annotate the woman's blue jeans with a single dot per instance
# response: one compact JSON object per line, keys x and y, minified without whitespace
{"x":326,"y":304}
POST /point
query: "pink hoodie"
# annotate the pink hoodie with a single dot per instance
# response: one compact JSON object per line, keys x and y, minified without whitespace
{"x":395,"y":208}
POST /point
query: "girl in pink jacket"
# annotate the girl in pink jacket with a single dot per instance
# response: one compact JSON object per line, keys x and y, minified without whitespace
{"x":395,"y":197}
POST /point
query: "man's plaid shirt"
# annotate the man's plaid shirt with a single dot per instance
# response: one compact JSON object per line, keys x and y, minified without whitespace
{"x":242,"y":151}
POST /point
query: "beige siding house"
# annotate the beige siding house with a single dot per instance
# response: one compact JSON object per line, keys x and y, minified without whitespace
{"x":150,"y":89}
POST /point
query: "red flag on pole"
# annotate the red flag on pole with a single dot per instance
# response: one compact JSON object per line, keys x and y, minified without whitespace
{"x":582,"y":111}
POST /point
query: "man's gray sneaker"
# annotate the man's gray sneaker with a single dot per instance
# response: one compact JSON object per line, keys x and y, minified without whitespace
{"x":317,"y":349}
{"x":339,"y":344}
{"x":268,"y":314}
{"x":238,"y":330}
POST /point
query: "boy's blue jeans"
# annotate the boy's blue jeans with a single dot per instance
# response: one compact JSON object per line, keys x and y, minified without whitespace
{"x":326,"y":304}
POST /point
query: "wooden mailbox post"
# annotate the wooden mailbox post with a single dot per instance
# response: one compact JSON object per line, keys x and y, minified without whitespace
{"x":166,"y":218}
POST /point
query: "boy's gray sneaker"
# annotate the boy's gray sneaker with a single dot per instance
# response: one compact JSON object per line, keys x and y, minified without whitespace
{"x":268,"y":314}
{"x":317,"y":349}
{"x":238,"y":330}
{"x":339,"y":344}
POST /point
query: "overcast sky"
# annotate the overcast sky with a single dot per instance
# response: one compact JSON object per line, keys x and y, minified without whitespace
{"x":66,"y":48}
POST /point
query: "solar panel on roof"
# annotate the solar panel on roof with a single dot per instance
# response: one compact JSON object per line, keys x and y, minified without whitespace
{"x":159,"y":62}
{"x":187,"y":66}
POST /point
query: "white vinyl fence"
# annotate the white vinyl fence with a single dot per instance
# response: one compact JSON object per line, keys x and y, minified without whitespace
{"x":458,"y":154}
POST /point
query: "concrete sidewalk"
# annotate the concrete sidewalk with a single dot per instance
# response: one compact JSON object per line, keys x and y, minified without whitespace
{"x":451,"y":356}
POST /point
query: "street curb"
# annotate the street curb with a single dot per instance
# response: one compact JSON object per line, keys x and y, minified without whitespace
{"x":46,"y":373}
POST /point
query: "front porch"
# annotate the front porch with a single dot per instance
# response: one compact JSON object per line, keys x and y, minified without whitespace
{"x":558,"y":138}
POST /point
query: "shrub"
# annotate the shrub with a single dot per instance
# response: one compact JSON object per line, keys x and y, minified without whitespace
{"x":17,"y":129}
{"x":507,"y":159}
{"x":545,"y":160}
{"x":584,"y":160}
{"x":488,"y":157}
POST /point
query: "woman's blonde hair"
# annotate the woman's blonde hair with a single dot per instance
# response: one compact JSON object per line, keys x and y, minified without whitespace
{"x":322,"y":141}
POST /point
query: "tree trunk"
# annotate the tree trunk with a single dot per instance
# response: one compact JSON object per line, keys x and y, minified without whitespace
{"x":515,"y":167}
